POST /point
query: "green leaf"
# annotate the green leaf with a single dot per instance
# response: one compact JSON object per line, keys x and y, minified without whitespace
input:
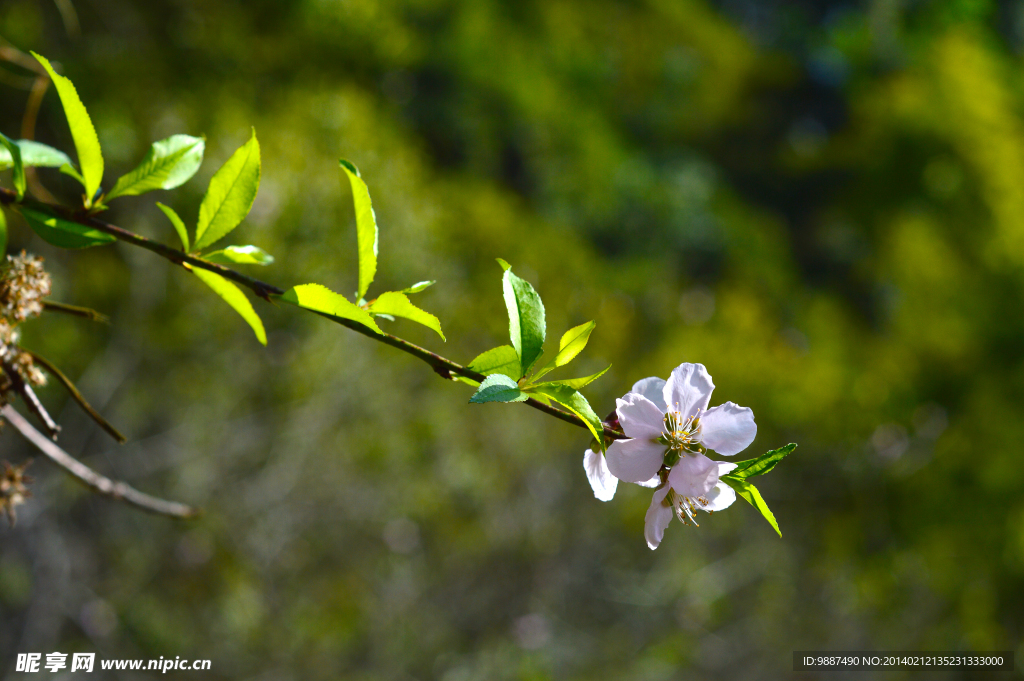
{"x":397,"y":304}
{"x":500,"y":360}
{"x":572,"y":343}
{"x":87,"y":144}
{"x":14,"y":151}
{"x":169,"y":163}
{"x":498,"y":388}
{"x":526,"y":324}
{"x":34,"y":154}
{"x":3,"y":234}
{"x":577,"y":383}
{"x":242,"y":255}
{"x":63,"y":233}
{"x":179,"y":226}
{"x":762,"y":464}
{"x":753,"y":497}
{"x":230,"y":194}
{"x":322,"y":299}
{"x":571,"y":399}
{"x":69,"y":170}
{"x":234,"y":297}
{"x":366,"y":227}
{"x":418,"y":286}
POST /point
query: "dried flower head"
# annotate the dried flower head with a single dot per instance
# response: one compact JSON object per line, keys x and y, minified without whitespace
{"x":13,"y":489}
{"x":23,"y":286}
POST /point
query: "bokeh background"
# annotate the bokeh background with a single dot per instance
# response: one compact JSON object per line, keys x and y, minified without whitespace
{"x":822,"y":202}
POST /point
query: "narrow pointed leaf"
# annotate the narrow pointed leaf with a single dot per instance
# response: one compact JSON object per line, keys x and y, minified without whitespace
{"x":169,"y":163}
{"x":34,"y":154}
{"x":179,"y":226}
{"x":418,"y":286}
{"x":575,"y":402}
{"x":63,"y":233}
{"x":500,"y":360}
{"x":69,"y":170}
{"x":498,"y":388}
{"x":322,"y":299}
{"x":526,"y":323}
{"x":577,"y":383}
{"x":87,"y":144}
{"x":230,"y":194}
{"x":753,"y":497}
{"x":14,"y":152}
{"x":762,"y":464}
{"x":366,"y":227}
{"x":3,"y":234}
{"x":241,"y":255}
{"x":572,"y":343}
{"x":234,"y":297}
{"x":397,"y":304}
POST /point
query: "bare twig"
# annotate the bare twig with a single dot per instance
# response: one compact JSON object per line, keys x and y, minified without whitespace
{"x":75,"y":310}
{"x":98,"y":483}
{"x":70,"y":387}
{"x":441,"y":365}
{"x":30,"y":399}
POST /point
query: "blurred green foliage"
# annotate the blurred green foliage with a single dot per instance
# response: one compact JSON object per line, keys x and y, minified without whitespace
{"x":822,"y":202}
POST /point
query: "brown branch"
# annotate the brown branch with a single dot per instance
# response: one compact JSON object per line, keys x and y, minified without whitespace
{"x":441,"y":365}
{"x":78,"y":397}
{"x":98,"y":483}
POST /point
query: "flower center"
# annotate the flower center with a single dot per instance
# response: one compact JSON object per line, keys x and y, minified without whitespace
{"x":681,"y":436}
{"x":685,"y":507}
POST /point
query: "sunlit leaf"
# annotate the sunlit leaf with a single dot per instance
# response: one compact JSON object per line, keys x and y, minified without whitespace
{"x":234,"y":297}
{"x":34,"y":154}
{"x":63,"y":233}
{"x":498,"y":388}
{"x":753,"y":497}
{"x":577,"y":383}
{"x":3,"y":234}
{"x":322,"y":299}
{"x":169,"y":163}
{"x":70,"y":171}
{"x":366,"y":227}
{"x":14,"y":152}
{"x":526,"y":324}
{"x":397,"y":304}
{"x":418,"y":286}
{"x":500,"y":360}
{"x":575,"y":402}
{"x":572,"y":343}
{"x":241,"y":255}
{"x":230,"y":194}
{"x":87,"y":144}
{"x":762,"y":464}
{"x":179,"y":226}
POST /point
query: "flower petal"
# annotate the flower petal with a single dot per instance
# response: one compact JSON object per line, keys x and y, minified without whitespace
{"x":688,"y":389}
{"x":639,"y":417}
{"x":635,"y":460}
{"x":693,"y":476}
{"x":653,"y":389}
{"x":721,"y":496}
{"x":657,"y":519}
{"x":652,"y":483}
{"x":724,"y":468}
{"x":728,"y":428}
{"x":601,"y":479}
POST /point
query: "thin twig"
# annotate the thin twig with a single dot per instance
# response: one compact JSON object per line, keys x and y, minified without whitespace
{"x":441,"y":365}
{"x":30,"y":399}
{"x":98,"y":483}
{"x":66,"y":382}
{"x":75,"y":310}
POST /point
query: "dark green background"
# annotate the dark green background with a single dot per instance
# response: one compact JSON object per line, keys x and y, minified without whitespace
{"x":822,"y":202}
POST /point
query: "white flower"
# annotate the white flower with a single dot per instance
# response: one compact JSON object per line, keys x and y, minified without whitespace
{"x":670,"y":427}
{"x":601,"y":479}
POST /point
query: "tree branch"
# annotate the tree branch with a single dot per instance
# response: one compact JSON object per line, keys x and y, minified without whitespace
{"x":98,"y":483}
{"x":441,"y":365}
